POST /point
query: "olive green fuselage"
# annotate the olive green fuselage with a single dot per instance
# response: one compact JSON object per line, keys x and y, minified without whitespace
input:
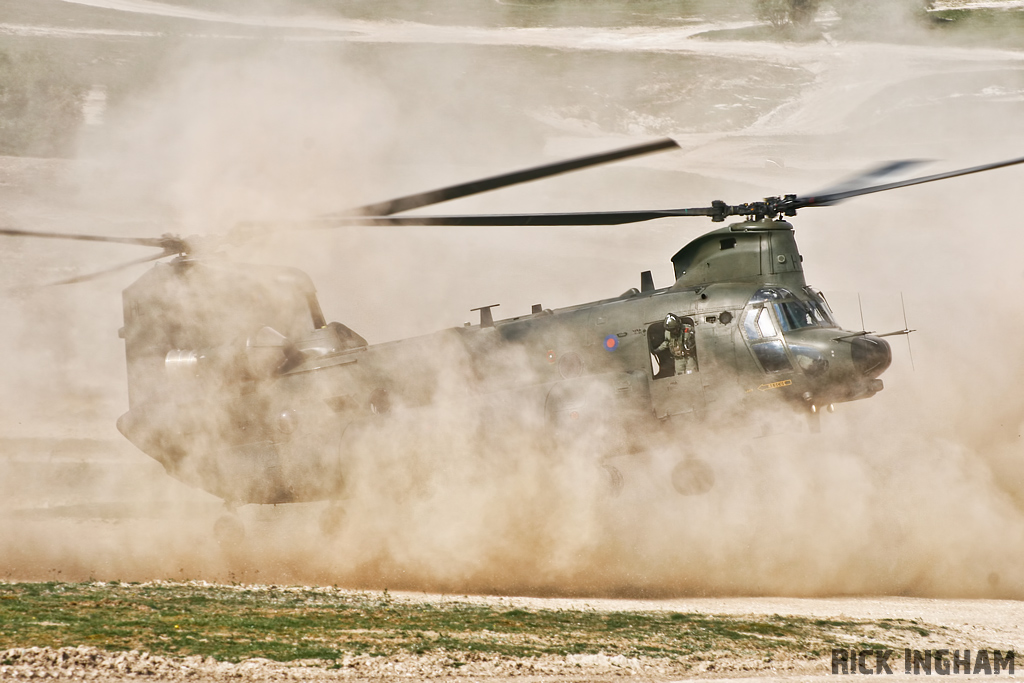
{"x":265,"y":403}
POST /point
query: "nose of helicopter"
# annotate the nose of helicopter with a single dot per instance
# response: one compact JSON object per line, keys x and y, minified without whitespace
{"x":871,"y":355}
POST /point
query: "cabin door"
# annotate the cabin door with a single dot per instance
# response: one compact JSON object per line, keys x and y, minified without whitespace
{"x":674,"y":370}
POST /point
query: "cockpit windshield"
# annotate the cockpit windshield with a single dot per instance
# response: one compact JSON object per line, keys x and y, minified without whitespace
{"x":820,"y":308}
{"x":793,"y":315}
{"x":792,"y":312}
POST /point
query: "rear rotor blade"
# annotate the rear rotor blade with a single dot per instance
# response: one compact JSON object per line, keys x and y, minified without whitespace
{"x":114,"y":269}
{"x":835,"y":197}
{"x":421,"y":199}
{"x":159,"y":242}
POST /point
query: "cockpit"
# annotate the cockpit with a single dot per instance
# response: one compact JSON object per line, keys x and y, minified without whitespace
{"x":791,"y":332}
{"x":774,"y":312}
{"x":792,"y":312}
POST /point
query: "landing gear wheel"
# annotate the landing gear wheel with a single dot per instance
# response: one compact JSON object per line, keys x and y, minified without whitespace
{"x":229,"y":531}
{"x":614,"y":482}
{"x":331,"y":520}
{"x":692,"y":477}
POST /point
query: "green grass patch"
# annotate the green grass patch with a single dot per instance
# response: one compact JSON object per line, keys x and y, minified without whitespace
{"x":233,"y":623}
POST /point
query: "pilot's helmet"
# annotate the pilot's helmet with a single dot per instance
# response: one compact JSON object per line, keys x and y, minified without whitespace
{"x":672,"y":322}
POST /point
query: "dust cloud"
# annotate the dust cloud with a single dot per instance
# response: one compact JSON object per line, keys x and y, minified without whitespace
{"x":916,"y":491}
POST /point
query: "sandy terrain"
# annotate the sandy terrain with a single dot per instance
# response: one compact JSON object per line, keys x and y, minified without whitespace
{"x":953,"y":624}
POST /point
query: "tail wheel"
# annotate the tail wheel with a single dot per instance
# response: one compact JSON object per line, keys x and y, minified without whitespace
{"x":229,"y":531}
{"x":331,"y":520}
{"x":692,"y":477}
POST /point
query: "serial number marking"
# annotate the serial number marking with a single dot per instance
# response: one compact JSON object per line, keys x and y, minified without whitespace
{"x":776,"y":385}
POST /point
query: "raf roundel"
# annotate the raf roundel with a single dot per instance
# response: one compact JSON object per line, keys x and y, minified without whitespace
{"x":611,"y":342}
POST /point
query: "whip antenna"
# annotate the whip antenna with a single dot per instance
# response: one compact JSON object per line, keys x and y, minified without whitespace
{"x":910,"y":348}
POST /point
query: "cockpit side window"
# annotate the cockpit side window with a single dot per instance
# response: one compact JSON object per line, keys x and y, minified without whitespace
{"x":764,"y":323}
{"x":750,"y":323}
{"x":772,"y":356}
{"x":768,"y":349}
{"x":758,"y":324}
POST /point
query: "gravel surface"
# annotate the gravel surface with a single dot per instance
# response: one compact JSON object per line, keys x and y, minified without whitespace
{"x":89,"y":663}
{"x":994,"y":623}
{"x":963,"y":624}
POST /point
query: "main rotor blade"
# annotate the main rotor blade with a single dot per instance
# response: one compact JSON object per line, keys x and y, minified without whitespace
{"x":114,"y":269}
{"x":826,"y":199}
{"x":421,"y":199}
{"x":872,"y":175}
{"x":159,"y":242}
{"x":515,"y":219}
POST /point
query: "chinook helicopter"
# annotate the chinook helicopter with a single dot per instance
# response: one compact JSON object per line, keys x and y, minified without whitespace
{"x":259,"y":399}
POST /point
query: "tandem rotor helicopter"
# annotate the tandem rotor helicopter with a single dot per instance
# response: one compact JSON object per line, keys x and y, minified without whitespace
{"x":260,"y":400}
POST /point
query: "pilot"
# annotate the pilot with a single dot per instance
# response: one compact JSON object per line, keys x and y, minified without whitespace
{"x":680,"y":343}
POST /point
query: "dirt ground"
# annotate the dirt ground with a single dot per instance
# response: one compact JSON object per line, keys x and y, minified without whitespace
{"x":952,"y":624}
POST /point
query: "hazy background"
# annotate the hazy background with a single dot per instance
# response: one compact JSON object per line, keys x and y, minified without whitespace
{"x":206,"y":113}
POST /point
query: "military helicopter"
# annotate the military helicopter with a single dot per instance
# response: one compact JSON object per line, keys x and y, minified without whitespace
{"x":258,"y":399}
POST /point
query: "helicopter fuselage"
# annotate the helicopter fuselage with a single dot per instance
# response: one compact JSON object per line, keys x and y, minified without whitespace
{"x":262,"y":402}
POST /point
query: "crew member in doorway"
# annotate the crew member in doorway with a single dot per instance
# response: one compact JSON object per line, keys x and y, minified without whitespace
{"x":680,"y":342}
